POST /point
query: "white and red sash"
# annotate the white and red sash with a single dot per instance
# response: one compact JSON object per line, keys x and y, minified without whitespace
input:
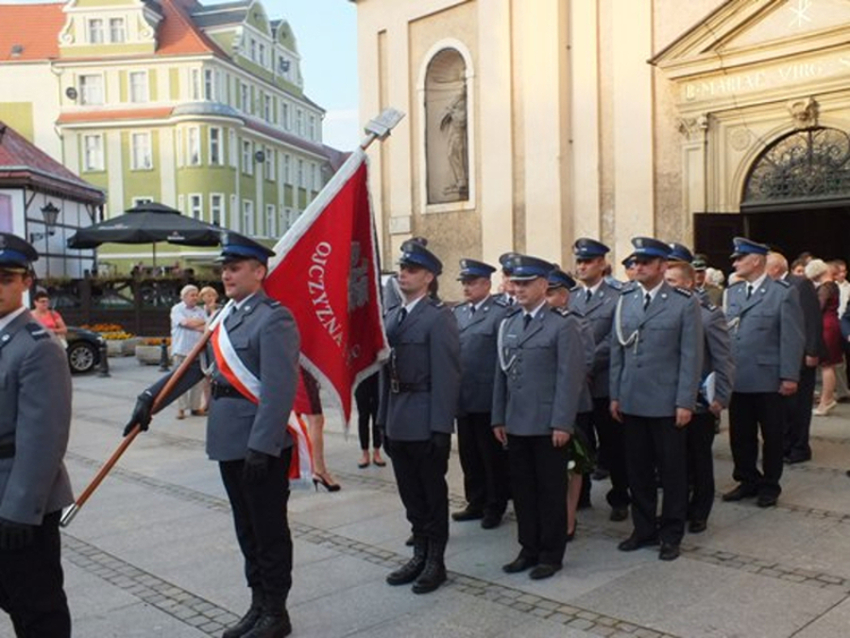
{"x":231,"y":367}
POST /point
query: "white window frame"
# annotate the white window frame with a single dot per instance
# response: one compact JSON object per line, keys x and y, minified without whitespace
{"x":193,"y":146}
{"x":141,"y":93}
{"x":196,"y":206}
{"x":117,"y":30}
{"x":216,"y":156}
{"x":195,"y":87}
{"x":217,"y":212}
{"x":268,"y":113}
{"x":261,"y":54}
{"x":270,"y":163}
{"x":301,"y":179}
{"x":209,"y":85}
{"x":143,"y":162}
{"x":247,"y":147}
{"x":247,"y":217}
{"x":141,"y":199}
{"x":286,"y":115}
{"x":271,"y":218}
{"x":287,"y":169}
{"x":317,"y":177}
{"x":233,"y":148}
{"x":253,"y":49}
{"x":299,"y":122}
{"x":93,"y":157}
{"x":95,"y":31}
{"x":245,"y":97}
{"x":311,"y":126}
{"x":181,"y":155}
{"x":91,"y":88}
{"x":234,"y":212}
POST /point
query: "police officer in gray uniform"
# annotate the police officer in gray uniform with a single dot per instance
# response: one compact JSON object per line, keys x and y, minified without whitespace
{"x":391,"y":295}
{"x":715,"y":390}
{"x":768,"y":339}
{"x":656,"y":360}
{"x":596,"y":300}
{"x":419,"y":396}
{"x":539,"y":378}
{"x":249,"y":439}
{"x":35,"y":421}
{"x":483,"y":459}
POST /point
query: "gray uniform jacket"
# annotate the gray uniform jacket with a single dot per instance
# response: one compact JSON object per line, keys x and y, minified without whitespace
{"x":656,"y":355}
{"x":600,"y":314}
{"x":717,"y":354}
{"x":266,"y":340}
{"x":424,"y":368}
{"x":585,"y":402}
{"x":767,"y":335}
{"x":35,"y":395}
{"x":540,"y":373}
{"x":478,"y":332}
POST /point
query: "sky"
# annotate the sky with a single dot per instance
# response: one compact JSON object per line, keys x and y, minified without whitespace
{"x":326,"y":32}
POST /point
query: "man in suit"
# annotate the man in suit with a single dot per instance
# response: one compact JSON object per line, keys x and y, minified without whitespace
{"x":656,"y":359}
{"x":34,"y":427}
{"x":798,"y":418}
{"x":419,"y":396}
{"x":714,"y":394}
{"x":595,"y":300}
{"x":255,"y":349}
{"x":768,"y":341}
{"x":539,"y":376}
{"x":482,"y":458}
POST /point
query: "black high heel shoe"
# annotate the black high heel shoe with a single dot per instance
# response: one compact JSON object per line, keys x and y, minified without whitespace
{"x":319,"y":479}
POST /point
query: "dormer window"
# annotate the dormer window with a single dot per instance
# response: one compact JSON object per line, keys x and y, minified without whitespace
{"x":117,"y":32}
{"x":96,"y":35}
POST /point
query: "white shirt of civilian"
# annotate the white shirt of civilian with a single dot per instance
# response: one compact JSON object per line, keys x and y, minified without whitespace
{"x":183,"y":338}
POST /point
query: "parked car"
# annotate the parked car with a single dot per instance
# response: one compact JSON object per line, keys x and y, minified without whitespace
{"x":83,"y":349}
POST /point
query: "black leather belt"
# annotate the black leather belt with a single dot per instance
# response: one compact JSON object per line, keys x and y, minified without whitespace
{"x":7,"y":450}
{"x":219,"y":391}
{"x":410,"y":387}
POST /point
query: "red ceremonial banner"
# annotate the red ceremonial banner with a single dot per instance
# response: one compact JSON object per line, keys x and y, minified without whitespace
{"x":326,"y":273}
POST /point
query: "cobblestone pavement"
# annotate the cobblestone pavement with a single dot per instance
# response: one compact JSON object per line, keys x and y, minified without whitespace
{"x":153,"y":553}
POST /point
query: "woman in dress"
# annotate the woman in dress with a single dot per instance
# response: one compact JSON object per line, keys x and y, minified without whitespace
{"x":828,"y":296}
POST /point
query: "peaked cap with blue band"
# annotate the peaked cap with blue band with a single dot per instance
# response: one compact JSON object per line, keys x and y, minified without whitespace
{"x":680,"y":252}
{"x":505,"y":261}
{"x":415,"y":254}
{"x":236,"y":247}
{"x":526,"y":267}
{"x":743,"y":246}
{"x":559,"y":279}
{"x":649,"y":247}
{"x":586,"y":248}
{"x":16,"y":254}
{"x":471,"y":269}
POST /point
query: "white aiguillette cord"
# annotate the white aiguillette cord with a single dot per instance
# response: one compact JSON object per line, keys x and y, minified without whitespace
{"x":634,"y":337}
{"x":207,"y":368}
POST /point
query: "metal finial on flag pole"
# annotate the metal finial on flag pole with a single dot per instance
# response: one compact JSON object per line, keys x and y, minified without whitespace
{"x":379,"y":128}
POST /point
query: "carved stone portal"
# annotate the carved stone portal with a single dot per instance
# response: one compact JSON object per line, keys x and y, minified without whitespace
{"x":805,"y":112}
{"x":446,"y":129}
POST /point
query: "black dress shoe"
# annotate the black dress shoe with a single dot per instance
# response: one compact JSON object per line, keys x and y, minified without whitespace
{"x":491,"y":521}
{"x":697,"y":526}
{"x":409,"y":541}
{"x":545,"y":570}
{"x":619,"y":514}
{"x":740,"y":493}
{"x":519,"y":564}
{"x":467,"y":515}
{"x":633,"y":542}
{"x":767,"y":500}
{"x":793,"y":459}
{"x":668,"y":551}
{"x":600,"y":474}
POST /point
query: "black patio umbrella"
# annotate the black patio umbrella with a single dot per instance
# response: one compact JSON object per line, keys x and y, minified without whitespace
{"x":147,"y":224}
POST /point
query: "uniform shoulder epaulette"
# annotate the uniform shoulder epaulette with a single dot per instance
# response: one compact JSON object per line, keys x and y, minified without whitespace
{"x":500,"y":301}
{"x":513,"y":310}
{"x":705,"y":303}
{"x":37,"y":331}
{"x":616,"y":285}
{"x":564,"y":312}
{"x":630,"y":287}
{"x":576,"y":288}
{"x":274,"y":303}
{"x":783,"y":282}
{"x":438,"y":303}
{"x":736,"y":284}
{"x":684,"y":292}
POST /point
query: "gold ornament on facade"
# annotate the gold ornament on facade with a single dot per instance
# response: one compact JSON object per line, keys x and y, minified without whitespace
{"x":804,"y":112}
{"x":692,"y":127}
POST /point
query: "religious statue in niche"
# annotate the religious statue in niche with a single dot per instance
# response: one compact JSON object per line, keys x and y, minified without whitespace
{"x":446,"y":132}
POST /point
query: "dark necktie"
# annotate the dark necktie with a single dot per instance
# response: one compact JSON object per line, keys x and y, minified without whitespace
{"x":402,"y":315}
{"x":749,"y":290}
{"x":647,"y":299}
{"x":588,"y":295}
{"x":471,"y":309}
{"x":526,"y":319}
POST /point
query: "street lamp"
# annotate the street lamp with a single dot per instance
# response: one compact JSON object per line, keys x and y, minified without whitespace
{"x":51,"y":214}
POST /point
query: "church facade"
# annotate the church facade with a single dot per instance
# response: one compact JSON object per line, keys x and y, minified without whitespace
{"x":530,"y":124}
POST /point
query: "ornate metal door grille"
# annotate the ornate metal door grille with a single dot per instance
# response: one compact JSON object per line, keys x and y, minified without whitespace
{"x":806,"y":165}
